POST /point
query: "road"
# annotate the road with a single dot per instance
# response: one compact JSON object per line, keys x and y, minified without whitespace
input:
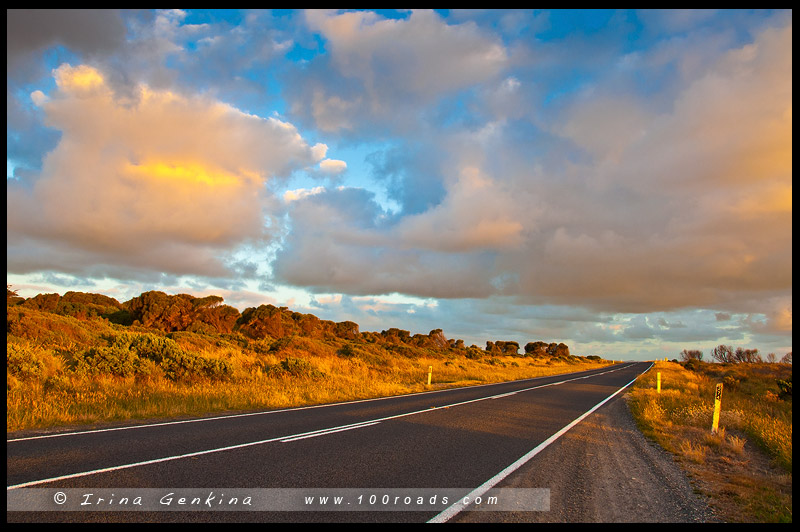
{"x":467,"y":442}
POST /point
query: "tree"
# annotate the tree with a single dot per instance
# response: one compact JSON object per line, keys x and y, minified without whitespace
{"x":691,"y":354}
{"x":12,"y":297}
{"x":787,"y":358}
{"x":723,"y":354}
{"x":561,"y":350}
{"x":746,"y":355}
{"x":536,"y":348}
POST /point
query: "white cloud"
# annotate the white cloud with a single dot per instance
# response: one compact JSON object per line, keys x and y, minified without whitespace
{"x":332,"y":166}
{"x":300,"y":193}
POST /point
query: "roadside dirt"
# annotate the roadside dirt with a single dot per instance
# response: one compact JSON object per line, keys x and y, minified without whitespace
{"x":605,"y":471}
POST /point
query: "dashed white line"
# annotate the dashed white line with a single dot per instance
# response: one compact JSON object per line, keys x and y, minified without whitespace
{"x":324,"y":432}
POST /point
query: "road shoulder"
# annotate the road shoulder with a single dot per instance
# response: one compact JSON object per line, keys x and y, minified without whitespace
{"x":605,"y":471}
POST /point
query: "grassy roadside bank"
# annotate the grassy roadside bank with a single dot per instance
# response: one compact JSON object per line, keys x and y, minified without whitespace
{"x":746,"y":467}
{"x":66,"y":372}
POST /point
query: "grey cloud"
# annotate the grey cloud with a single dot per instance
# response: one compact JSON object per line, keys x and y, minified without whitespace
{"x":85,"y":31}
{"x":390,"y":68}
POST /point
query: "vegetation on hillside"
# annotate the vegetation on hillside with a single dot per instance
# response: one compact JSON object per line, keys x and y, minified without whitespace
{"x":87,"y":358}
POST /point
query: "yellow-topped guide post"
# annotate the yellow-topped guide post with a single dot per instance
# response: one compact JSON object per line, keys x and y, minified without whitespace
{"x":717,"y":405}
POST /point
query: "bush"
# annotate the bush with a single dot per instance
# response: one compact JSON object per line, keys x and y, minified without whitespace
{"x":730,"y":382}
{"x":212,"y":368}
{"x":691,"y":354}
{"x":293,"y":367}
{"x":116,"y":360}
{"x":474,"y":353}
{"x":785,"y":387}
{"x":347,"y":351}
{"x":138,"y":354}
{"x":22,"y":362}
{"x":280,"y":344}
{"x":692,"y":364}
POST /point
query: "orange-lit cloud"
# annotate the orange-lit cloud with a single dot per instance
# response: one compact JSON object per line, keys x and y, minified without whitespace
{"x":134,"y":180}
{"x":477,"y":214}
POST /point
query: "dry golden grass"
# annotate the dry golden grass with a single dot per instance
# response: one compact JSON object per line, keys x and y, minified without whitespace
{"x":736,"y":444}
{"x":693,"y":451}
{"x":46,"y":387}
{"x":62,"y":399}
{"x":746,"y":465}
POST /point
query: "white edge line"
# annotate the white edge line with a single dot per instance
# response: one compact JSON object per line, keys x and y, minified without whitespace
{"x":282,"y":438}
{"x":457,"y":507}
{"x":265,"y":412}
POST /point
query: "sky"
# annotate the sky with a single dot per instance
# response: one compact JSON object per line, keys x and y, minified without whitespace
{"x":620,"y":181}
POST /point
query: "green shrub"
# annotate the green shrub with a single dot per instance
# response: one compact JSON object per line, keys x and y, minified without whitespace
{"x":120,"y":317}
{"x":474,"y":353}
{"x":22,"y":362}
{"x":346,"y":351}
{"x":157,"y":348}
{"x":213,"y":368}
{"x":730,"y":382}
{"x":281,"y":343}
{"x":138,"y":354}
{"x":785,"y":387}
{"x":693,"y":364}
{"x":58,"y":384}
{"x":293,"y":367}
{"x":115,"y":360}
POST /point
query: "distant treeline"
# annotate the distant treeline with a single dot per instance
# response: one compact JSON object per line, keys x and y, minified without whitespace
{"x":726,"y":354}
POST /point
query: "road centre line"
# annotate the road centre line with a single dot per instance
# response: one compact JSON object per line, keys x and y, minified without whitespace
{"x":189,"y":455}
{"x":289,"y":437}
{"x":265,"y":412}
{"x":460,"y":505}
{"x":324,"y":432}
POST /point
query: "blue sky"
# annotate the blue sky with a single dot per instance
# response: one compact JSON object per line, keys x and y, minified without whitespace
{"x":616,"y":180}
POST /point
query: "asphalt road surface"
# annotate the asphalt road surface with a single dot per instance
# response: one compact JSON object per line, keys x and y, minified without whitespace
{"x":552,"y":449}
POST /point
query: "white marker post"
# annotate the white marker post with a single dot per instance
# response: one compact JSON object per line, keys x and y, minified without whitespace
{"x":717,"y":405}
{"x":430,"y":372}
